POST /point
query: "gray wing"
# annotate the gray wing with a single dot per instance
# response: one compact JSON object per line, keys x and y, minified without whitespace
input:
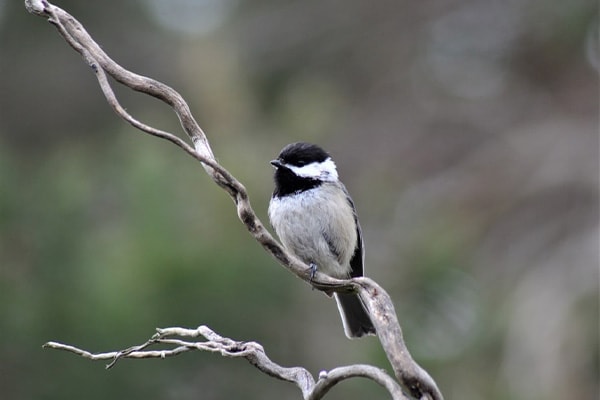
{"x":358,"y":258}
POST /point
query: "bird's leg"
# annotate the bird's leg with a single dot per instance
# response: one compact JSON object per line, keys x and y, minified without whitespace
{"x":313,"y":271}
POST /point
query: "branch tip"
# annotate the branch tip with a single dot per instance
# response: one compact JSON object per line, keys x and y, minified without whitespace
{"x":37,"y":7}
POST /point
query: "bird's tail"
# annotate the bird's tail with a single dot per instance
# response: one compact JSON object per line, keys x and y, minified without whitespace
{"x":355,"y":318}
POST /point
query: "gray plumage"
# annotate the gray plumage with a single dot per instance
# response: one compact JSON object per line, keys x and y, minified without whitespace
{"x":315,"y":219}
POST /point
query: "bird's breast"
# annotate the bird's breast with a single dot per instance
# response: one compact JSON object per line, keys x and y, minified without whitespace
{"x":318,"y":226}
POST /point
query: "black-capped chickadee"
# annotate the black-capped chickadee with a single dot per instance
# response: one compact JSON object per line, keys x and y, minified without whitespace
{"x":315,"y":219}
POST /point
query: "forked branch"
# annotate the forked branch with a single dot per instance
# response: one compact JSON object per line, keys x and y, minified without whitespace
{"x":410,"y":375}
{"x":251,"y":351}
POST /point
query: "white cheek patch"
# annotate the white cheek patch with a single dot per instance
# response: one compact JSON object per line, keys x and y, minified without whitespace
{"x":325,"y":171}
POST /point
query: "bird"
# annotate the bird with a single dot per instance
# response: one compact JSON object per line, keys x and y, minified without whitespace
{"x":316,"y":220}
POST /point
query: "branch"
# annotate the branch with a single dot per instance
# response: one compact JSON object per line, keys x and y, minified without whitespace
{"x":251,"y":351}
{"x":410,"y":375}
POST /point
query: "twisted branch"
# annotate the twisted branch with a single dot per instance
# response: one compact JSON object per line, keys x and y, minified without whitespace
{"x":251,"y":351}
{"x":410,"y":375}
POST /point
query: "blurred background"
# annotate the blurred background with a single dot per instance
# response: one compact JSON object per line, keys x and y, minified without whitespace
{"x":466,"y":131}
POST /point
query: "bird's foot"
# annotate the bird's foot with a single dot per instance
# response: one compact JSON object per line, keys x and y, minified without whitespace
{"x":313,"y":271}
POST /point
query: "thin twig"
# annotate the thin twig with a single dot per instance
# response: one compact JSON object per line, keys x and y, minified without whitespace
{"x":251,"y":351}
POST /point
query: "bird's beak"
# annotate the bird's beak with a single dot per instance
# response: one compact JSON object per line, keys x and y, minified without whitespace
{"x":276,"y":163}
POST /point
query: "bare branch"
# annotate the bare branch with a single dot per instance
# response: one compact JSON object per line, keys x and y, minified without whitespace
{"x":410,"y":375}
{"x":381,"y":309}
{"x":251,"y":351}
{"x":329,"y":379}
